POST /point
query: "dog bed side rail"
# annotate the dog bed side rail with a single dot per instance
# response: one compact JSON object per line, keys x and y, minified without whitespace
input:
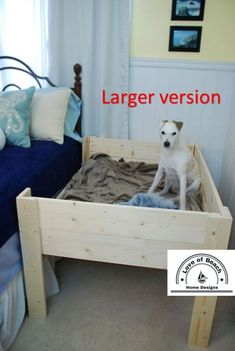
{"x":212,"y":201}
{"x":130,"y":150}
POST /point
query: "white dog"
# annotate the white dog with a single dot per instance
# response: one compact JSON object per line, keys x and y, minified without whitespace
{"x":177,"y":163}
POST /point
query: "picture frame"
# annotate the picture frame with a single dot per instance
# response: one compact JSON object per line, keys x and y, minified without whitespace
{"x":186,"y":10}
{"x":185,"y":38}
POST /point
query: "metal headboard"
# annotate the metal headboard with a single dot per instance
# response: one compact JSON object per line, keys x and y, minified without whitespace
{"x":77,"y":88}
{"x":26,"y":69}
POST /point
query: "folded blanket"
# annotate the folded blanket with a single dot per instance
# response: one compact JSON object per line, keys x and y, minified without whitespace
{"x":150,"y":200}
{"x":102,"y":179}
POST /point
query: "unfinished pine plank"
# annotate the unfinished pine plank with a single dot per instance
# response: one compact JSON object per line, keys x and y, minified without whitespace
{"x":124,"y":221}
{"x":208,"y":188}
{"x":219,"y":231}
{"x":86,"y":148}
{"x":111,"y":249}
{"x":204,"y":307}
{"x":131,"y":150}
{"x":29,"y":227}
{"x":117,"y":234}
{"x":202,"y":319}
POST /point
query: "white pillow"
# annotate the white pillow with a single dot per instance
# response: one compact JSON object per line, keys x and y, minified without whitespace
{"x":48,"y":114}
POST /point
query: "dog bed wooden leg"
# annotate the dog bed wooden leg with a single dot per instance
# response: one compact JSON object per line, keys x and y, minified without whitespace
{"x":201,"y":321}
{"x":30,"y":238}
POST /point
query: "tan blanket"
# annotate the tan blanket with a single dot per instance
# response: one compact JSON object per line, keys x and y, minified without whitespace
{"x":102,"y":179}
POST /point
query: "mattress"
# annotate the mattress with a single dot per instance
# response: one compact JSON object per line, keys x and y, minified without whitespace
{"x":45,"y":167}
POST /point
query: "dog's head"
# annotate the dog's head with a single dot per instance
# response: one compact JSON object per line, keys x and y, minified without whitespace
{"x":169,"y":132}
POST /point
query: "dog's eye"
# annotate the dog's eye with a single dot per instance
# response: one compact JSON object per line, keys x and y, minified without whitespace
{"x":163,"y":133}
{"x":174,"y":133}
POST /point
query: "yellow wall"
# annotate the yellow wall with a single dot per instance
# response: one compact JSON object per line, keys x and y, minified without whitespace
{"x":151,"y":20}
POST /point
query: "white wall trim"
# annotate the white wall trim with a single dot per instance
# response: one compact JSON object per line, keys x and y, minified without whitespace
{"x":182,"y":64}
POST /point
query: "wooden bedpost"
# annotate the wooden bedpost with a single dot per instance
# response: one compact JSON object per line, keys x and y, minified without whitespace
{"x":78,"y":91}
{"x":27,"y":208}
{"x":77,"y":84}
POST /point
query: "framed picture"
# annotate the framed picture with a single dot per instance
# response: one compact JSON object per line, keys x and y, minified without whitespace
{"x":185,"y":38}
{"x":187,"y":10}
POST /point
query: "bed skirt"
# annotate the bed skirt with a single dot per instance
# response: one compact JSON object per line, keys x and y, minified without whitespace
{"x":12,"y":295}
{"x":12,"y":311}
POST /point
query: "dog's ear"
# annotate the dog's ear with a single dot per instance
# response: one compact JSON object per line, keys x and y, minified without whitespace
{"x":162,"y":122}
{"x":178,"y":124}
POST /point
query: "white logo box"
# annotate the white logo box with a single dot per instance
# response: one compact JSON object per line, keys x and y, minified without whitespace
{"x":201,"y":272}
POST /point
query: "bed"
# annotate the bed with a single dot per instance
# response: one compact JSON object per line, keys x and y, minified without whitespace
{"x":45,"y":166}
{"x":119,"y":234}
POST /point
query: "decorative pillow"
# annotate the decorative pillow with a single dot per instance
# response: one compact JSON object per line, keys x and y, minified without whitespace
{"x":14,"y":115}
{"x":48,"y":111}
{"x":72,"y":116}
{"x":2,"y":140}
{"x":72,"y":113}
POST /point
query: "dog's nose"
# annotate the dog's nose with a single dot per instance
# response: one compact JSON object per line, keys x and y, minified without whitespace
{"x":166,"y":143}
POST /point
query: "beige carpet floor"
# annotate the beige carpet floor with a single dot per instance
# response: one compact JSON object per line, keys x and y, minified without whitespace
{"x":105,"y":307}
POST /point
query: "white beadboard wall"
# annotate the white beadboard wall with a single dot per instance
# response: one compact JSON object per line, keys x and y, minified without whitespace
{"x":206,"y":125}
{"x":227,"y":178}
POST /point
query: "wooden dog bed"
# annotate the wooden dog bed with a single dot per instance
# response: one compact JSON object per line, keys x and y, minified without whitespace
{"x":119,"y":234}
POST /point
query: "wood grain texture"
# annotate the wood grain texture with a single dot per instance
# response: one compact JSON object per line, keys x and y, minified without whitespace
{"x":30,"y":239}
{"x":202,"y":319}
{"x":119,"y":234}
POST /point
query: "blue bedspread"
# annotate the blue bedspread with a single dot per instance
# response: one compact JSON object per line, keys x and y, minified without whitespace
{"x":45,"y":167}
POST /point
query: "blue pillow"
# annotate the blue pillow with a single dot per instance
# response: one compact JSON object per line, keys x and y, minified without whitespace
{"x":72,"y":116}
{"x":73,"y":112}
{"x":14,"y":116}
